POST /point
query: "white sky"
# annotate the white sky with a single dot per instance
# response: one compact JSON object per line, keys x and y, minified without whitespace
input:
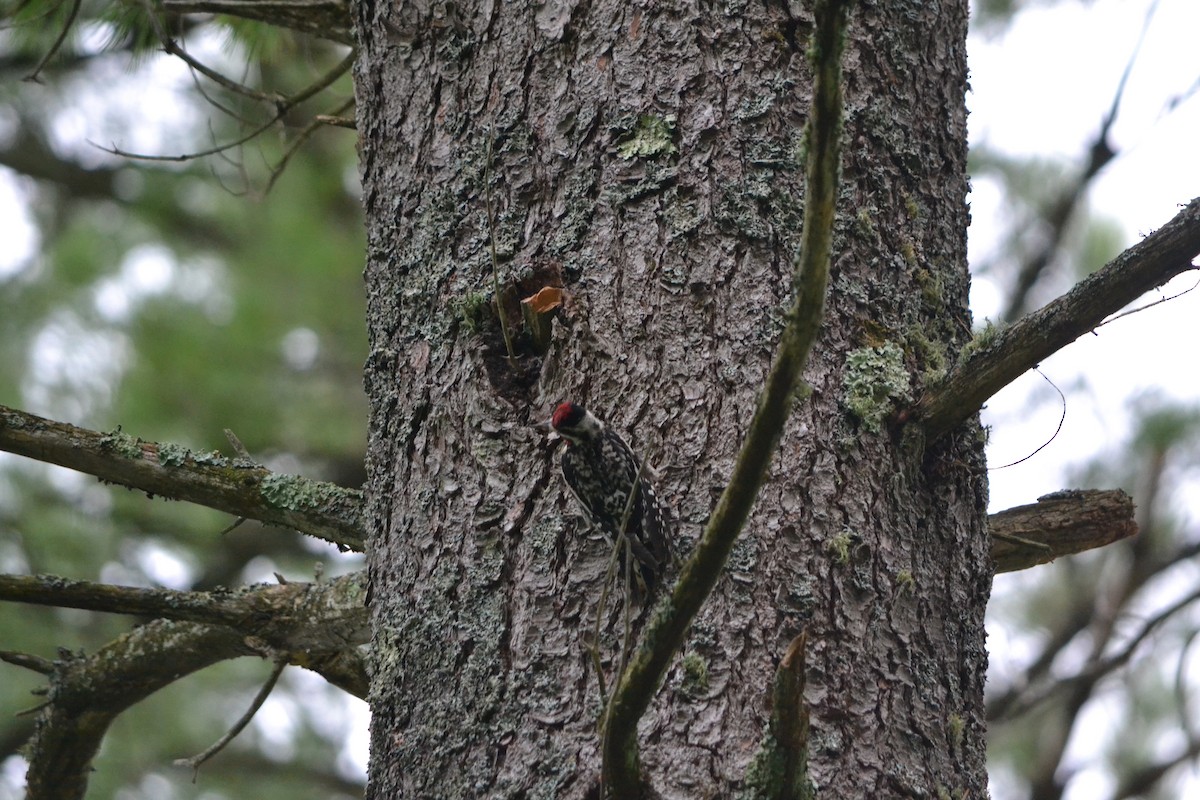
{"x":1043,"y":89}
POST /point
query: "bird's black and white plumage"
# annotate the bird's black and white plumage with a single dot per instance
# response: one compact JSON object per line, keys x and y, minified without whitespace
{"x":601,"y":469}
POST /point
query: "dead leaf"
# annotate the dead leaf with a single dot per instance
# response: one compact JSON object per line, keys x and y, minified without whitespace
{"x":546,"y":300}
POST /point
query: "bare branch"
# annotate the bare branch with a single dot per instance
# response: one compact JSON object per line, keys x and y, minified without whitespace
{"x":27,"y":152}
{"x":1077,"y":618}
{"x":1142,"y":781}
{"x":327,"y":19}
{"x":28,"y":661}
{"x":317,"y":122}
{"x":87,"y":694}
{"x":292,"y":616}
{"x":316,"y":626}
{"x":236,"y":486}
{"x":1081,"y":683}
{"x":992,"y":364}
{"x":1062,"y":210}
{"x":336,"y":122}
{"x":58,"y":42}
{"x":282,"y":107}
{"x":1059,"y":524}
{"x":171,"y":48}
{"x":668,"y":626}
{"x":263,"y":693}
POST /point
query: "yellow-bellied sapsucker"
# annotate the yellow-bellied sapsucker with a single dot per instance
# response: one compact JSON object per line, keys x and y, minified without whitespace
{"x":601,"y":471}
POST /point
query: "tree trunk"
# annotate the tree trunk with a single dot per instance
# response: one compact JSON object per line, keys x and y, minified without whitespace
{"x":650,"y":161}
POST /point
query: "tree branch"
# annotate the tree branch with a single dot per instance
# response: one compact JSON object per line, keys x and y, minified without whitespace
{"x":28,"y":153}
{"x":28,"y":661}
{"x":261,"y":697}
{"x":1143,"y":780}
{"x":58,"y":41}
{"x":992,"y":364}
{"x":1082,"y":682}
{"x":87,"y":693}
{"x":326,"y":19}
{"x":289,"y":616}
{"x":235,"y":486}
{"x":780,"y":769}
{"x":282,"y":105}
{"x":668,"y":627}
{"x":1059,"y":524}
{"x":315,"y":626}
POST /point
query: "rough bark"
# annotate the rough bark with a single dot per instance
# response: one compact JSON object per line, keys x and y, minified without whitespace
{"x":649,"y":160}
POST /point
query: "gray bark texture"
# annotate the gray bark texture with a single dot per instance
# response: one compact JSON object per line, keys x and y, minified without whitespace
{"x":649,"y":158}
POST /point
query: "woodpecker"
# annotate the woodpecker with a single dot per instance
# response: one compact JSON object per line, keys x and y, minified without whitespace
{"x":600,"y":468}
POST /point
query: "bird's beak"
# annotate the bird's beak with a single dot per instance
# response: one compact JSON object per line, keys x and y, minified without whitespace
{"x":545,"y":426}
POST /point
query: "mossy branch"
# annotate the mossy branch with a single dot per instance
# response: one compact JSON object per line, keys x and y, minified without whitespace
{"x":237,"y":486}
{"x":668,"y":627}
{"x":780,"y":769}
{"x":1010,"y":352}
{"x":318,"y":626}
{"x":87,"y":693}
{"x":289,"y":616}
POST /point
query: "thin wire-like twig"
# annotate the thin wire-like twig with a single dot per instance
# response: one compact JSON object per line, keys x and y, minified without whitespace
{"x":282,"y":108}
{"x":298,"y":142}
{"x":209,"y":98}
{"x":1053,"y":436}
{"x":195,"y":761}
{"x":57,"y":44}
{"x":1159,"y":301}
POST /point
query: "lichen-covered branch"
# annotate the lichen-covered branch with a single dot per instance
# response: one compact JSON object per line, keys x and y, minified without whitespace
{"x":288,"y":616}
{"x":237,"y":486}
{"x":779,"y":771}
{"x":87,"y":693}
{"x":668,"y":627}
{"x":1059,"y":524}
{"x":318,"y":626}
{"x":998,"y":359}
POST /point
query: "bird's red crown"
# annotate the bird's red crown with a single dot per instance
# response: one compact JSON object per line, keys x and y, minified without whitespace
{"x":567,"y":415}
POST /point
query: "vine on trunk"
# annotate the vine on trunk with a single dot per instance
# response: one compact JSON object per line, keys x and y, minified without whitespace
{"x":621,"y":770}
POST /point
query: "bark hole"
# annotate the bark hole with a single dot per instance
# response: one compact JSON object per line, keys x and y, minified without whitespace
{"x":527,"y":314}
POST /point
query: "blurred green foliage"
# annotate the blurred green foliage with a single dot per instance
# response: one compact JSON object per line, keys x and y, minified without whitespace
{"x":176,"y":300}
